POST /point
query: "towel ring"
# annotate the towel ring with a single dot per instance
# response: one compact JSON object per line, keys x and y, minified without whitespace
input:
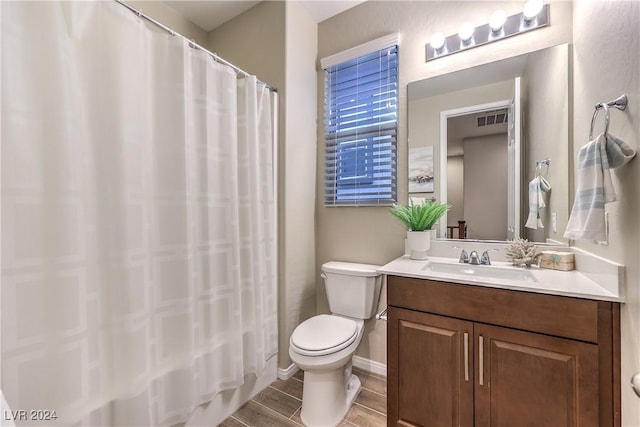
{"x":604,"y":107}
{"x":539,"y":164}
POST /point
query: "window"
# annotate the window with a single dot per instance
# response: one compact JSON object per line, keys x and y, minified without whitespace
{"x":361,"y":121}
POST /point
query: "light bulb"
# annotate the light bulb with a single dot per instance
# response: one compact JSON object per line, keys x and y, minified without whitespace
{"x":437,"y":41}
{"x":497,"y":20}
{"x":531,"y":9}
{"x":466,"y":32}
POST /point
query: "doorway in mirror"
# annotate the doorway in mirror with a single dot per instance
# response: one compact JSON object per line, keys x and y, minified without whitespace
{"x":480,"y":179}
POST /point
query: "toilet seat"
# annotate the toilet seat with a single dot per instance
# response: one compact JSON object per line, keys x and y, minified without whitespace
{"x":323,"y":334}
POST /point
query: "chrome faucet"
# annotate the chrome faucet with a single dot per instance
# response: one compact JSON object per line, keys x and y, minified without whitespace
{"x":473,"y":257}
{"x":464,"y":257}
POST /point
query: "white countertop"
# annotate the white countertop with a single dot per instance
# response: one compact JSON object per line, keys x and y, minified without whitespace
{"x":553,"y":282}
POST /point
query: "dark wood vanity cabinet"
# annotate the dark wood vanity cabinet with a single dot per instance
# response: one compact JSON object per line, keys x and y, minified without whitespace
{"x":461,"y":355}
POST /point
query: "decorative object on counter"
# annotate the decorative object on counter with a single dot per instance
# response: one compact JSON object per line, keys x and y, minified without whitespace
{"x":594,"y":185}
{"x":522,"y":252}
{"x":419,"y":219}
{"x":554,"y":260}
{"x":537,"y":187}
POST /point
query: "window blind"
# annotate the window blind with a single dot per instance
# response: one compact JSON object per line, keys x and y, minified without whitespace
{"x":361,"y":121}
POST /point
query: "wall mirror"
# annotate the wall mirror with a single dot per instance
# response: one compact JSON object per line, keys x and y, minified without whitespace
{"x":475,"y":137}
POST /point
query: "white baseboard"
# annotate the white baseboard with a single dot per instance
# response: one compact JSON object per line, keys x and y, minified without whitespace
{"x":285,"y":374}
{"x":370,"y":366}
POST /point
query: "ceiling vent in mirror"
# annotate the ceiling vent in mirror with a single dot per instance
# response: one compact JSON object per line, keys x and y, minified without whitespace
{"x":492,"y":118}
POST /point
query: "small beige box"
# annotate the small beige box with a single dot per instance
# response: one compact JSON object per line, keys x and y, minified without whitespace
{"x":564,"y":266}
{"x":563,"y":261}
{"x":546,"y":259}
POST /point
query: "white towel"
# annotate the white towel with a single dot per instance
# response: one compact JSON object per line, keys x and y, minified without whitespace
{"x":618,"y":152}
{"x":594,"y":186}
{"x":537,"y":187}
{"x":594,"y":189}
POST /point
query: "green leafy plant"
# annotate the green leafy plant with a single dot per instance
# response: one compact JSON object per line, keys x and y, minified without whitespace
{"x":419,"y":217}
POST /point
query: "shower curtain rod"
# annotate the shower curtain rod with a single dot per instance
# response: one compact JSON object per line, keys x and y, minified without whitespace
{"x":191,"y":43}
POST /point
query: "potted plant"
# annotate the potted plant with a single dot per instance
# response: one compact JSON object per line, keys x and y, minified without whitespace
{"x":419,"y":219}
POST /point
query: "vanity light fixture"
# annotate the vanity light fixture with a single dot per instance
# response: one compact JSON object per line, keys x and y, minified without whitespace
{"x":497,"y":20}
{"x":531,"y":10}
{"x":437,"y":42}
{"x":466,"y":33}
{"x":534,"y":15}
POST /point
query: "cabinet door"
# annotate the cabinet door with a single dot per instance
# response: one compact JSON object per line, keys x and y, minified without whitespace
{"x":527,"y":379}
{"x":430,"y":377}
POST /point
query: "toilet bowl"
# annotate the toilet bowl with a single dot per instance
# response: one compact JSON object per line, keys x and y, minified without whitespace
{"x":329,"y":385}
{"x":323,"y":346}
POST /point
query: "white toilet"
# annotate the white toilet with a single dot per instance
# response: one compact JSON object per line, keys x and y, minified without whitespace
{"x":324,"y":345}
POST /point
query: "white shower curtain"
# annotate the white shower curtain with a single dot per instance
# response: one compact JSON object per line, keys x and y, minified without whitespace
{"x":138,"y":229}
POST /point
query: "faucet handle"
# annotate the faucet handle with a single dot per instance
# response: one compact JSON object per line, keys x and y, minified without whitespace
{"x":464,"y":257}
{"x":484,"y":259}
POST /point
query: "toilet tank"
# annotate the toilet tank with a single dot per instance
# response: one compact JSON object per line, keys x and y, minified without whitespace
{"x":352,"y":289}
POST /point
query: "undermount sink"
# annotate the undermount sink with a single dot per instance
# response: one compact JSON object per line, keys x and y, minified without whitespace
{"x":471,"y":270}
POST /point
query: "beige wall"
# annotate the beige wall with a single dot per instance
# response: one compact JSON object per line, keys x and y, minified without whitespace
{"x":255,"y":42}
{"x":606,"y":65}
{"x":485,"y":187}
{"x":277,"y":41}
{"x":299,"y":281}
{"x":545,"y":77}
{"x":371,"y":234}
{"x":172,"y":19}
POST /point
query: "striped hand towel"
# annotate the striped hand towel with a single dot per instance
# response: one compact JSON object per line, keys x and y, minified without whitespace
{"x":618,"y":152}
{"x":594,"y":189}
{"x":537,"y":187}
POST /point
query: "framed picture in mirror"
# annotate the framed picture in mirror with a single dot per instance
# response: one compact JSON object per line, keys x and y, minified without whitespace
{"x":421,"y":170}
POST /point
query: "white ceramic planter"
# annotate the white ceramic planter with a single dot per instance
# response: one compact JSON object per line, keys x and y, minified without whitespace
{"x":418,"y":243}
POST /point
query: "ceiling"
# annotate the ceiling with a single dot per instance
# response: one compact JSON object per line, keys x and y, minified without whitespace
{"x":213,"y":13}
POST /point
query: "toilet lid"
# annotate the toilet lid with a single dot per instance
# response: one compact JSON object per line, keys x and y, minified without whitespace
{"x":324,"y":334}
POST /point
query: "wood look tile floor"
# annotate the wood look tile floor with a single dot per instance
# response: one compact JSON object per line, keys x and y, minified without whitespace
{"x":279,"y":405}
